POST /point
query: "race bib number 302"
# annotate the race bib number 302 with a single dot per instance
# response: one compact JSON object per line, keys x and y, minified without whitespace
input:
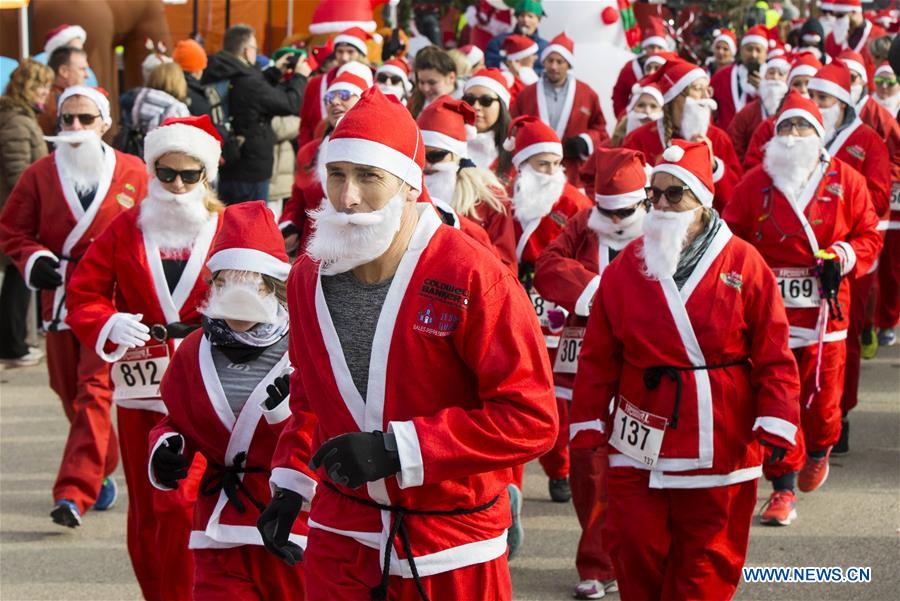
{"x":138,"y":373}
{"x":637,"y":433}
{"x":895,"y":197}
{"x":567,"y":353}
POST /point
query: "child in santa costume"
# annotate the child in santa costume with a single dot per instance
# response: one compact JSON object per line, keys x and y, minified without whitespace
{"x":421,"y":404}
{"x":133,"y":298}
{"x":737,"y":84}
{"x":683,"y":390}
{"x":568,"y":273}
{"x":59,"y":205}
{"x":226,"y":395}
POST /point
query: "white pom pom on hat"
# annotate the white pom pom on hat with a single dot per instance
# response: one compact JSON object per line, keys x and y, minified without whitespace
{"x":673,"y":154}
{"x":509,"y":144}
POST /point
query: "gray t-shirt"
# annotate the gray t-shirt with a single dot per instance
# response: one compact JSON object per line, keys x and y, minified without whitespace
{"x":239,"y":379}
{"x":355,"y":307}
{"x":556,"y":98}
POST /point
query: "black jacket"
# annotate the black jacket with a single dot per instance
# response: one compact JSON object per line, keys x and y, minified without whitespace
{"x":253,"y":99}
{"x":197,"y":101}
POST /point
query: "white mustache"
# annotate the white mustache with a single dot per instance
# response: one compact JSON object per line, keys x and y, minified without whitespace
{"x":353,"y":218}
{"x":72,"y":137}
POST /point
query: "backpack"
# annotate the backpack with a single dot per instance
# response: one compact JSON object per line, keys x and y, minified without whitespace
{"x":217,"y":95}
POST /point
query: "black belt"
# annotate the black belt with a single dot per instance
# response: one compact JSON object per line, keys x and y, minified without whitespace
{"x":379,"y":593}
{"x":162,"y":332}
{"x":228,"y":479}
{"x":653,"y":376}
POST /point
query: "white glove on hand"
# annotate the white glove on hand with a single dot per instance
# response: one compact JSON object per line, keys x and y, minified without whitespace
{"x":129,"y":331}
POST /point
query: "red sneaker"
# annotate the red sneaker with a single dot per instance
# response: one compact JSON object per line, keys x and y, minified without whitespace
{"x":814,"y":473}
{"x":780,"y":509}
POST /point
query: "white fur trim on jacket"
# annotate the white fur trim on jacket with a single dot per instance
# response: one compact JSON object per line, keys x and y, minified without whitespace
{"x":249,"y":259}
{"x":583,"y":304}
{"x":412,"y":468}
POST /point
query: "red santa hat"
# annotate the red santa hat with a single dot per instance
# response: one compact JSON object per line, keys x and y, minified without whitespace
{"x":884,"y":69}
{"x":98,"y":96}
{"x":855,"y":63}
{"x":842,"y":6}
{"x":887,"y":18}
{"x":448,"y":124}
{"x":659,"y":58}
{"x":674,"y":76}
{"x":61,"y":36}
{"x":516,"y":47}
{"x":379,"y":131}
{"x":650,"y":89}
{"x":727,"y":36}
{"x":333,"y":16}
{"x":492,"y":79}
{"x":756,"y":35}
{"x":805,"y":64}
{"x":474,"y":54}
{"x":620,"y":179}
{"x":348,"y":81}
{"x":356,"y":37}
{"x":691,"y":162}
{"x":797,"y":105}
{"x":528,"y":136}
{"x":562,"y":45}
{"x":194,"y":136}
{"x":833,"y":79}
{"x":776,"y":48}
{"x":396,"y":66}
{"x":360,"y":70}
{"x":250,"y":240}
{"x":654,"y":34}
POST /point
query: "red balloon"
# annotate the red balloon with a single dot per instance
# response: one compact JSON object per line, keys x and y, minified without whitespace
{"x":609,"y":15}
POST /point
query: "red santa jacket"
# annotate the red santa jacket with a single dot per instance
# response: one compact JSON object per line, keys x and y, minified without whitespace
{"x":730,"y":99}
{"x":860,"y":147}
{"x":727,"y":312}
{"x":458,"y":373}
{"x":122,"y":272}
{"x":581,"y":116}
{"x":306,"y":192}
{"x":200,"y":413}
{"x":630,"y":74}
{"x":312,"y":111}
{"x":649,"y":139}
{"x":756,"y":149}
{"x":43,"y":217}
{"x":836,"y":212}
{"x":744,"y":124}
{"x":501,"y":231}
{"x":870,"y":32}
{"x":885,"y":125}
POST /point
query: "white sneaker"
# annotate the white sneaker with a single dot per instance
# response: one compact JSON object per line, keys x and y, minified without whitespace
{"x":589,"y":589}
{"x":610,"y":586}
{"x":29,"y":359}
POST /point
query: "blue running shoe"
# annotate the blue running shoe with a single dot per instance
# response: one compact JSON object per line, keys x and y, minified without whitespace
{"x":109,"y":494}
{"x":65,"y":513}
{"x":516,"y":533}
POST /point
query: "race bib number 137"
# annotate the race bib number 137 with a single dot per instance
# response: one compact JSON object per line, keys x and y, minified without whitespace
{"x":637,"y":433}
{"x":138,"y":373}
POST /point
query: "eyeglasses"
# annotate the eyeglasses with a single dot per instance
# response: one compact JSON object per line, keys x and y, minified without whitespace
{"x":885,"y":81}
{"x":622,"y":213}
{"x":484,"y":100}
{"x":788,"y":125}
{"x":436,"y":156}
{"x":188,"y":176}
{"x":674,"y":194}
{"x":387,"y":77}
{"x":85,"y":119}
{"x":344,"y":95}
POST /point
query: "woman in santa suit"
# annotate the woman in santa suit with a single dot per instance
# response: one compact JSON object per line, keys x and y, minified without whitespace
{"x":487,"y":93}
{"x":306,"y":194}
{"x":133,"y":297}
{"x":226,"y":392}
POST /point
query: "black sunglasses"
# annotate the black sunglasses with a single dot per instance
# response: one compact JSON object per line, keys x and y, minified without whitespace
{"x":674,"y":194}
{"x":484,"y":100}
{"x":85,"y":119}
{"x":622,"y":213}
{"x":387,"y":77}
{"x":436,"y":156}
{"x":188,"y":176}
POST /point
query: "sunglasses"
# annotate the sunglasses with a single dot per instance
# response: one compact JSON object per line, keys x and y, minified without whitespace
{"x":386,"y":77}
{"x":621,"y":213}
{"x":188,"y":176}
{"x":885,"y":81}
{"x":344,"y":95}
{"x":436,"y":156}
{"x":674,"y":194}
{"x":484,"y":100}
{"x":83,"y":118}
{"x":801,"y":125}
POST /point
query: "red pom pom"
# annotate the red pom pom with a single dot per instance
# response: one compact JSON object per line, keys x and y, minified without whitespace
{"x":609,"y":15}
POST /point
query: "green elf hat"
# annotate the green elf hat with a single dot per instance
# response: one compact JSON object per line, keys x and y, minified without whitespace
{"x":530,"y":6}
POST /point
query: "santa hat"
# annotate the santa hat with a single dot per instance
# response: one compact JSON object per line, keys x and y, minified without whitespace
{"x":356,"y":37}
{"x":778,"y":62}
{"x":562,"y":45}
{"x":61,"y":36}
{"x":516,"y":47}
{"x":833,"y":79}
{"x":756,"y":35}
{"x":332,"y":16}
{"x":887,"y":18}
{"x":529,"y":136}
{"x":797,"y":105}
{"x":492,"y":79}
{"x":855,"y":63}
{"x":805,"y":64}
{"x":674,"y":76}
{"x":620,"y":178}
{"x":379,"y":131}
{"x":654,"y":34}
{"x":362,"y":71}
{"x":474,"y":54}
{"x":98,"y":96}
{"x":350,"y":82}
{"x":659,"y":58}
{"x":194,"y":136}
{"x":691,"y":162}
{"x":448,"y":124}
{"x":399,"y":68}
{"x":776,"y":49}
{"x":884,"y":69}
{"x":639,"y":89}
{"x":250,"y":240}
{"x":727,"y":36}
{"x":842,"y":6}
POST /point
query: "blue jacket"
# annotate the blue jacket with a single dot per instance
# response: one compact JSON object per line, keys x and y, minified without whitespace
{"x":492,"y":56}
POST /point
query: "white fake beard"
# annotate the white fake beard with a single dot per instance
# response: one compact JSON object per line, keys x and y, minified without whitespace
{"x":398,"y":91}
{"x":617,"y":235}
{"x":527,"y":75}
{"x":790,"y":160}
{"x":442,"y":183}
{"x":343,"y":241}
{"x":483,"y":150}
{"x":892,"y":104}
{"x":170,"y":220}
{"x":771,"y":92}
{"x":830,"y":118}
{"x":695,"y":117}
{"x":841,"y":29}
{"x":535,"y":193}
{"x":81,"y":165}
{"x":856,"y":92}
{"x":743,"y":75}
{"x":634,"y":119}
{"x":827,"y":23}
{"x":665,"y":234}
{"x":240,"y":299}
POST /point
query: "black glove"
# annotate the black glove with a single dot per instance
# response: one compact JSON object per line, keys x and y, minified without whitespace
{"x":169,"y":465}
{"x":358,"y":457}
{"x":575,"y":147}
{"x":289,"y":230}
{"x":45,"y":274}
{"x":278,"y":390}
{"x":392,"y":46}
{"x":275,"y":523}
{"x":776,"y":453}
{"x":829,"y":272}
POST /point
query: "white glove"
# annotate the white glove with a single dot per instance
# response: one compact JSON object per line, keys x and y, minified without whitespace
{"x":129,"y":331}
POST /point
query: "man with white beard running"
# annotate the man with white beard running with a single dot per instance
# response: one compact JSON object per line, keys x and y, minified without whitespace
{"x":60,"y":204}
{"x":771,"y":92}
{"x":685,"y":368}
{"x":419,"y":364}
{"x":810,"y":216}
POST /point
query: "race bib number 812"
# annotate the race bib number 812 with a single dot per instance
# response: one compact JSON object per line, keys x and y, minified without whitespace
{"x":138,"y":373}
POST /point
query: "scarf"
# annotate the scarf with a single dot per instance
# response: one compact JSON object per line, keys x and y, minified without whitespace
{"x":690,"y":256}
{"x":241,"y":347}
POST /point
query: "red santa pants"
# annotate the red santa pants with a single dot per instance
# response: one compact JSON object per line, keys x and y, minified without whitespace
{"x":677,"y":543}
{"x":159,"y":522}
{"x":339,"y":568}
{"x":81,"y":379}
{"x":861,"y":289}
{"x":245,"y":573}
{"x":556,"y":461}
{"x":589,"y":496}
{"x":888,"y":313}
